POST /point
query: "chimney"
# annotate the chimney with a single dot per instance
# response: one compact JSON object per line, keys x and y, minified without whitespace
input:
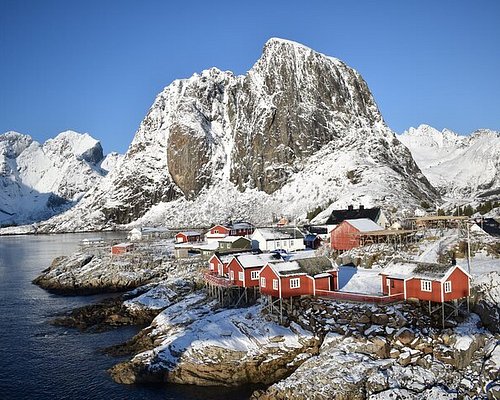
{"x":361,"y":207}
{"x":350,"y":207}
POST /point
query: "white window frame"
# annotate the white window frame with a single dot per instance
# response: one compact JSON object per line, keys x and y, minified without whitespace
{"x":241,"y":276}
{"x":426,"y":286}
{"x":277,"y":244}
{"x":388,"y":282}
{"x":294,"y":283}
{"x":275,"y":284}
{"x":447,"y":287}
{"x":212,"y":266}
{"x":263,"y":282}
{"x":291,"y":242}
{"x":254,"y":275}
{"x":231,"y":275}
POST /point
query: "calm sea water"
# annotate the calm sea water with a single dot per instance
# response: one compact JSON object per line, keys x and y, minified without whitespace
{"x":41,"y":361}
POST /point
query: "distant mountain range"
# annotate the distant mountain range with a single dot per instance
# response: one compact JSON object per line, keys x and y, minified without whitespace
{"x":300,"y":130}
{"x":458,"y":166}
{"x":41,"y":180}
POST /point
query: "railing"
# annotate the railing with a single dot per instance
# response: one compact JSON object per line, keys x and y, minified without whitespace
{"x":217,"y":279}
{"x":359,"y":297}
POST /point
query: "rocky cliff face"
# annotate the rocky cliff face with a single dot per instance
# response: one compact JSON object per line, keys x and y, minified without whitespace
{"x":40,"y":180}
{"x":459,"y":166}
{"x":246,"y":146}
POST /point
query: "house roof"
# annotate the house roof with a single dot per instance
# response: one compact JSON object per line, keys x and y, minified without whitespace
{"x":337,"y":216}
{"x":258,"y":260}
{"x":189,"y":233}
{"x":232,"y":239}
{"x":123,"y":245}
{"x":280,"y":233}
{"x":490,"y":226}
{"x":308,"y":266}
{"x":310,"y":237}
{"x":405,"y":269}
{"x":240,"y":225}
{"x":364,"y":225}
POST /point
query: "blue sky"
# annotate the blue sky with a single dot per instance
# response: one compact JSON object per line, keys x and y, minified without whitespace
{"x":96,"y":66}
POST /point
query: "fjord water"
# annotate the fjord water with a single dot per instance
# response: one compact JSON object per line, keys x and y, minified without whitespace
{"x":41,"y":361}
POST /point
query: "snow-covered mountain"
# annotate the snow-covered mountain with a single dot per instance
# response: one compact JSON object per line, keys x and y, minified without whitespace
{"x":459,"y":166}
{"x":299,"y":130}
{"x":40,"y":180}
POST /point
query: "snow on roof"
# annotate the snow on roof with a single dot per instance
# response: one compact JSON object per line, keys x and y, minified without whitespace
{"x":189,"y":233}
{"x":309,"y":266}
{"x":300,"y":255}
{"x":207,"y":246}
{"x":256,"y":260}
{"x":402,"y":269}
{"x":241,"y":225}
{"x":280,"y":233}
{"x":364,"y":225}
{"x":231,"y":239}
{"x":128,"y":244}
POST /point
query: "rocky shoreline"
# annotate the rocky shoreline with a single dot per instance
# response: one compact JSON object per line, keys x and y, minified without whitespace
{"x":322,"y":349}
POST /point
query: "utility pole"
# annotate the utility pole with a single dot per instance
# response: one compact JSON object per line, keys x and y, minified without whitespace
{"x":468,"y":247}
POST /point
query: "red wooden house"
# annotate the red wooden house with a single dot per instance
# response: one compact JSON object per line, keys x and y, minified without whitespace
{"x":218,"y":264}
{"x":298,"y":278}
{"x":425,"y":281}
{"x":188,"y":237}
{"x":218,"y":232}
{"x":244,"y":269}
{"x":122,"y":248}
{"x":346,"y":235}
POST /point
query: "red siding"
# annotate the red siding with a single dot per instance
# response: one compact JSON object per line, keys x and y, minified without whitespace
{"x":413,"y":290}
{"x":121,"y":249}
{"x":248,"y":281}
{"x":306,"y":286}
{"x":235,"y":267}
{"x":221,"y":230}
{"x":182,"y":238}
{"x":397,"y":285}
{"x":344,"y":237}
{"x":459,"y":285}
{"x":323,"y":283}
{"x":269,"y":274}
{"x":214,"y":264}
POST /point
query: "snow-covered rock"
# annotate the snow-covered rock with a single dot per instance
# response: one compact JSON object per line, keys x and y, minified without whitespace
{"x":196,"y":345}
{"x":460,"y":166}
{"x":299,"y":130}
{"x":40,"y":180}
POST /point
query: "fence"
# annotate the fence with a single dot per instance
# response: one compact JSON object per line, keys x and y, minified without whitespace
{"x":217,"y":280}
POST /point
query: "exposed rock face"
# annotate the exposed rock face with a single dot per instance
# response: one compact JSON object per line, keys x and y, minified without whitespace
{"x":299,"y":123}
{"x":195,"y":345}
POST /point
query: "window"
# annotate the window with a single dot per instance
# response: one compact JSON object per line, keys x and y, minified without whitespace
{"x":275,"y":284}
{"x":294,"y":283}
{"x":241,"y":276}
{"x":263,"y":282}
{"x":278,"y":244}
{"x":212,"y":266}
{"x":254,"y":275}
{"x":392,"y":283}
{"x":291,"y":243}
{"x":388,"y":282}
{"x":231,"y":275}
{"x":426,"y":286}
{"x":447,"y":287}
{"x":216,"y":231}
